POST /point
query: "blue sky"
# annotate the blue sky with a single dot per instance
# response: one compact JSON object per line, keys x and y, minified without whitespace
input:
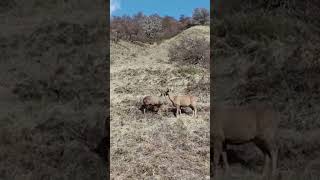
{"x":172,"y":8}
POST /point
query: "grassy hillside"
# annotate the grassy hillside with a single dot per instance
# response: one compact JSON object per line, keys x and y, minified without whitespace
{"x":52,"y":89}
{"x":269,"y":52}
{"x":151,"y":145}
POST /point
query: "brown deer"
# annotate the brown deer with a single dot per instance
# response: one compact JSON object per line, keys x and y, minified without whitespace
{"x":239,"y":125}
{"x":183,"y":101}
{"x":152,"y":102}
{"x":161,"y":108}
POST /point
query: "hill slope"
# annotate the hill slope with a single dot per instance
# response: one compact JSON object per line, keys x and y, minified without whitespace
{"x":52,"y":90}
{"x":151,"y":145}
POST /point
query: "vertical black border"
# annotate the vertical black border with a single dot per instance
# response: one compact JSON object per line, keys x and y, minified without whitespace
{"x":107,"y":121}
{"x":211,"y":82}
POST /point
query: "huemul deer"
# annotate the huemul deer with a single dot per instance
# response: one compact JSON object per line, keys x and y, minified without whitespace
{"x":149,"y":102}
{"x":183,"y":101}
{"x":239,"y":125}
{"x":161,"y":108}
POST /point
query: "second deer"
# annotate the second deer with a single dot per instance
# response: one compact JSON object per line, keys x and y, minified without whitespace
{"x":183,"y":101}
{"x":153,"y":102}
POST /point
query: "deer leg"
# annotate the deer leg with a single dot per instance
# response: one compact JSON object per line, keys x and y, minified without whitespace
{"x":160,"y":111}
{"x":274,"y":157}
{"x":216,"y":155}
{"x":178,"y":110}
{"x":274,"y":162}
{"x":272,"y":153}
{"x":265,"y":147}
{"x":194,"y":111}
{"x":266,"y":168}
{"x":224,"y":157}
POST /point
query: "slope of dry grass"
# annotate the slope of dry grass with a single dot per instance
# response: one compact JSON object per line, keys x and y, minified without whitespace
{"x":271,"y":56}
{"x":52,"y":91}
{"x":154,"y":146}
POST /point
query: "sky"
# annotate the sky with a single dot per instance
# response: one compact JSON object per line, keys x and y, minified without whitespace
{"x":173,"y":8}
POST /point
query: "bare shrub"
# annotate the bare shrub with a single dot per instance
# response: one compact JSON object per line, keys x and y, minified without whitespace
{"x":114,"y":36}
{"x":200,"y":16}
{"x":194,"y":51}
{"x":125,"y":28}
{"x":170,"y":26}
{"x":151,"y":26}
{"x":136,"y":28}
{"x":185,"y":22}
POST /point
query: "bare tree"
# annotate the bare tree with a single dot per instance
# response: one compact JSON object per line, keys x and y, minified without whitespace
{"x":151,"y":25}
{"x":200,"y":16}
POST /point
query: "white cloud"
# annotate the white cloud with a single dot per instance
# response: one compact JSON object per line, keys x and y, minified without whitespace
{"x":114,"y":5}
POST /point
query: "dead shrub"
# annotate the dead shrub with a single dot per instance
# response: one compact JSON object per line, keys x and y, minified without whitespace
{"x":192,"y":51}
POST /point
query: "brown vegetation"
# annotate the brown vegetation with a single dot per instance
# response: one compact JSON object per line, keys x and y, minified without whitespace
{"x":191,"y":51}
{"x":154,"y":28}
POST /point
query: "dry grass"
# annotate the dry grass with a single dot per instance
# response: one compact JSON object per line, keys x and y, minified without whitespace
{"x":46,"y":131}
{"x":272,"y":56}
{"x":154,"y":146}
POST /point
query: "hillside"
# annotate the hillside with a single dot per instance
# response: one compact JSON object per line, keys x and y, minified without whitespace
{"x":151,"y":145}
{"x":268,"y":51}
{"x":52,"y":89}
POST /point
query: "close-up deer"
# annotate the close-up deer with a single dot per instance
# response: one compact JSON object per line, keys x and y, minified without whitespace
{"x":239,"y":125}
{"x":183,"y":101}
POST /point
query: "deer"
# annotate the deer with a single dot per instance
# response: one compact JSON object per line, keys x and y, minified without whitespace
{"x":239,"y":125}
{"x":182,"y":101}
{"x":152,"y":102}
{"x":161,"y":108}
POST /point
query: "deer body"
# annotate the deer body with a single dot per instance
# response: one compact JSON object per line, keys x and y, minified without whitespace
{"x":149,"y":102}
{"x":160,"y":108}
{"x":183,"y":101}
{"x":239,"y":125}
